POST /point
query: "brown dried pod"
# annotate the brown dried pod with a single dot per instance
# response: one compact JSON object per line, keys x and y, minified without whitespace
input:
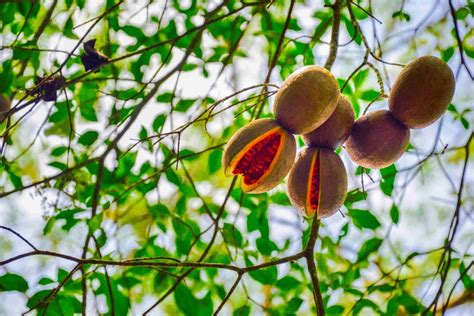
{"x":91,"y":58}
{"x":306,"y":99}
{"x":262,"y":152}
{"x":46,"y":87}
{"x":317,"y":183}
{"x":5,"y":106}
{"x":336,"y":129}
{"x":422,"y":92}
{"x":377,"y":140}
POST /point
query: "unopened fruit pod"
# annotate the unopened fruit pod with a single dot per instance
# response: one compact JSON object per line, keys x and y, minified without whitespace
{"x":422,"y":92}
{"x":306,"y":99}
{"x":377,"y":140}
{"x":334,"y":132}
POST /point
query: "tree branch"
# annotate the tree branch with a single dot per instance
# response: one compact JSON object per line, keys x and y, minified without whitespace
{"x":336,"y":21}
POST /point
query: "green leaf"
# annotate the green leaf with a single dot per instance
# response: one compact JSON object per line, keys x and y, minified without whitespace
{"x":388,"y":179}
{"x":364,"y":219}
{"x":215,"y":160}
{"x":394,"y":214}
{"x":353,"y":33}
{"x":468,"y":42}
{"x":242,"y":311}
{"x":158,"y":122}
{"x":288,"y":283}
{"x":232,"y":235}
{"x":369,"y":247}
{"x":265,"y":276}
{"x":58,"y":151}
{"x":360,"y":77}
{"x":258,"y":220}
{"x":45,"y":281}
{"x":95,"y":223}
{"x":467,"y":281}
{"x":68,"y":29}
{"x":370,"y":95}
{"x":127,"y":94}
{"x":293,"y":305}
{"x":189,"y":67}
{"x":462,"y":13}
{"x":411,"y":304}
{"x":335,"y":310}
{"x":165,"y":97}
{"x":354,"y":196}
{"x":447,"y":54}
{"x":58,"y":165}
{"x":363,"y":303}
{"x":401,"y":16}
{"x":190,"y":305}
{"x":464,"y":122}
{"x":37,"y":298}
{"x":172,"y":177}
{"x":134,"y":31}
{"x":183,"y":105}
{"x":13,"y":282}
{"x":280,"y":198}
{"x":88,"y":138}
{"x":265,"y":246}
{"x":61,"y":113}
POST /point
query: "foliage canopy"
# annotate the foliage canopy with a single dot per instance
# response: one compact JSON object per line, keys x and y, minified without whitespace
{"x":113,"y":199}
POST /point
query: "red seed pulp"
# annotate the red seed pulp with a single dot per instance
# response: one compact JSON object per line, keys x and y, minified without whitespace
{"x":315,"y":184}
{"x":258,"y":159}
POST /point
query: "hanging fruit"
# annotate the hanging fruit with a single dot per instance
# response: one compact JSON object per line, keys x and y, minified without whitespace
{"x":317,"y":183}
{"x":422,"y":92}
{"x":336,"y":129}
{"x":377,"y":140}
{"x":306,"y":99}
{"x":262,"y":152}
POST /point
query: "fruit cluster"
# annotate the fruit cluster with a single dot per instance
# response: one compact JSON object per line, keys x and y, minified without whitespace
{"x":309,"y":103}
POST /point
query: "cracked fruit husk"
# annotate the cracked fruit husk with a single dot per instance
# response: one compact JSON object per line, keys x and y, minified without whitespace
{"x":262,"y":152}
{"x":377,"y":140}
{"x":306,"y":99}
{"x":317,"y":184}
{"x":336,"y":129}
{"x":422,"y":92}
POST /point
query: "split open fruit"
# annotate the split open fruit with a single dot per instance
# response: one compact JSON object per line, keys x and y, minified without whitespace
{"x":262,"y":152}
{"x":306,"y":99}
{"x":317,"y":183}
{"x":377,"y":140}
{"x":336,"y":129}
{"x":422,"y":92}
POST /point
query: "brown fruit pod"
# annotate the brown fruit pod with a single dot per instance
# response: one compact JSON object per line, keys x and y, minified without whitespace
{"x":377,"y":140}
{"x":317,"y":183}
{"x":5,"y":106}
{"x":334,"y":132}
{"x":422,"y":92}
{"x":263,"y":152}
{"x":306,"y":99}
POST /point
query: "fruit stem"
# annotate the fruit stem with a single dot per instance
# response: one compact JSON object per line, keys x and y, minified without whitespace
{"x":309,"y":255}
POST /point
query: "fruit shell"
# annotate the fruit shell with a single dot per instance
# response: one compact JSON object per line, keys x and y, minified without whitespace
{"x":333,"y":181}
{"x":240,"y":142}
{"x":336,"y":129}
{"x":306,"y":99}
{"x":422,"y":92}
{"x":377,"y":140}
